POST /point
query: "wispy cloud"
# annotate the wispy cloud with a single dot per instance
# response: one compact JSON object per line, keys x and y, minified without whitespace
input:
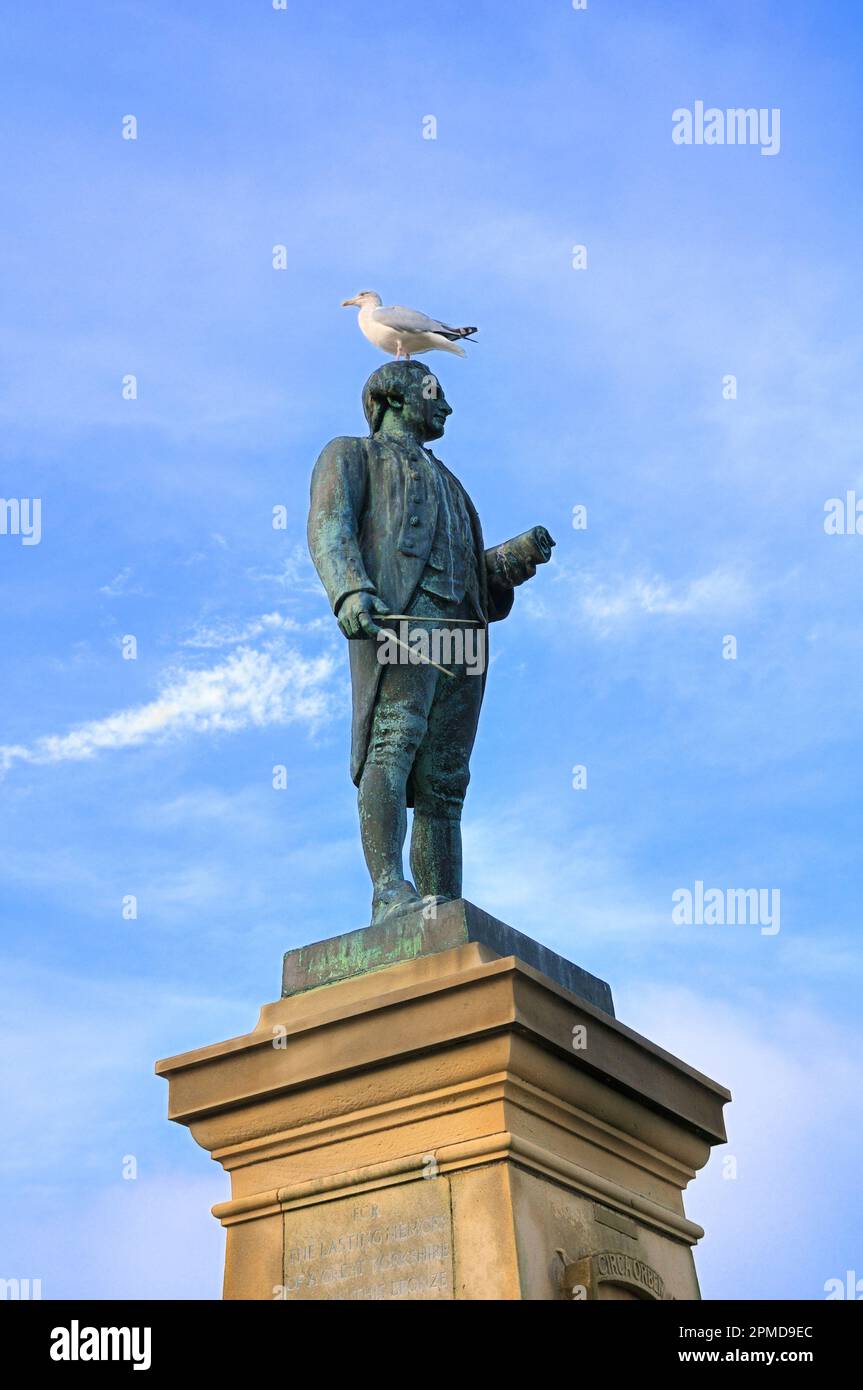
{"x":608,"y":603}
{"x":582,"y":874}
{"x":250,"y":688}
{"x":605,"y":604}
{"x":121,"y":584}
{"x":224,"y":634}
{"x":297,"y":574}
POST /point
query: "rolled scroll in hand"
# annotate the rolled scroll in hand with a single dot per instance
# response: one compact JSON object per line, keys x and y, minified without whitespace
{"x":512,"y":562}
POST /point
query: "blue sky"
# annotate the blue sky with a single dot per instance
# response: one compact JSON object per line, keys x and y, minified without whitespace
{"x":600,"y":387}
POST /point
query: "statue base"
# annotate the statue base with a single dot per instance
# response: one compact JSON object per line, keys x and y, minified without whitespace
{"x":426,"y":932}
{"x":457,"y":1124}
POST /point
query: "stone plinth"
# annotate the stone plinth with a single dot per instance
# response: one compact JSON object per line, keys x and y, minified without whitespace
{"x":457,"y":1125}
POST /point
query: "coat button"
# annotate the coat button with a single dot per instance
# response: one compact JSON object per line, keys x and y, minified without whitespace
{"x":415,"y":521}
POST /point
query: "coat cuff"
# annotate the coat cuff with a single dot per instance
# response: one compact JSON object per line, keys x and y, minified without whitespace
{"x":360,"y":589}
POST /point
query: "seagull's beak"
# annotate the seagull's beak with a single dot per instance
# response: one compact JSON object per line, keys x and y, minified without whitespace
{"x":346,"y":303}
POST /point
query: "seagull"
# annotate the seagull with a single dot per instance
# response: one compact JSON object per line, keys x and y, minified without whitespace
{"x":401,"y":331}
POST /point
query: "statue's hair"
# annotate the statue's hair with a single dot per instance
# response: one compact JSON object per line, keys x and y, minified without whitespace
{"x":389,"y":380}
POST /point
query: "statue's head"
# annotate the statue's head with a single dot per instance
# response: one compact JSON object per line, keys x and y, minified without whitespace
{"x":406,"y":398}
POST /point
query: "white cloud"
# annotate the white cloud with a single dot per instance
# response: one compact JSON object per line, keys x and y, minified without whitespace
{"x":251,"y":688}
{"x":121,"y":584}
{"x":607,"y":604}
{"x":537,"y":880}
{"x":224,"y":635}
{"x":297,"y":574}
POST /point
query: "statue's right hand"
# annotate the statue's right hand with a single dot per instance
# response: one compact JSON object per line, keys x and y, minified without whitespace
{"x":356,"y":615}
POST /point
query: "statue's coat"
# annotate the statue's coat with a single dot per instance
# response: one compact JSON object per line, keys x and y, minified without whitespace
{"x":371,"y":526}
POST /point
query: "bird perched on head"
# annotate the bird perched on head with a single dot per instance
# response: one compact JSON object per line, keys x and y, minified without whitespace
{"x":401,"y":331}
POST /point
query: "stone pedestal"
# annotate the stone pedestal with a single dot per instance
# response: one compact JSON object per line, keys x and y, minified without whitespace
{"x":458,"y":1124}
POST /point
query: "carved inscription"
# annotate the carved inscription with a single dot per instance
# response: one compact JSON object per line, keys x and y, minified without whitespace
{"x":392,"y":1244}
{"x":613,"y":1266}
{"x":593,"y":1276}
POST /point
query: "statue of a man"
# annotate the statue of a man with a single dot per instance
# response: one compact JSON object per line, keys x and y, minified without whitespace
{"x":392,"y":531}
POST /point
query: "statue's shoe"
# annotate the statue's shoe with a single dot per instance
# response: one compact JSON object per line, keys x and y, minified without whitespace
{"x":395,"y":901}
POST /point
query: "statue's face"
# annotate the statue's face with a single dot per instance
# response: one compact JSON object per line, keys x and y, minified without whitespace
{"x":425,"y":408}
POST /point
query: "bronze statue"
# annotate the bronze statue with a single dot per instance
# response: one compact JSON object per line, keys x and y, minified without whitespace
{"x":394,"y":535}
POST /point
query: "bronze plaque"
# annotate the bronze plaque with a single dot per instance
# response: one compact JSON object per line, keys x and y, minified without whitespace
{"x":395,"y":1243}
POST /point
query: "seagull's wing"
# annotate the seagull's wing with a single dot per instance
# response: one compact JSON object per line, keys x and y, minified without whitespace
{"x":408,"y":320}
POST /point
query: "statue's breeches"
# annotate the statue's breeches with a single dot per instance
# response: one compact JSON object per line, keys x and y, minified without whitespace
{"x":424,"y":722}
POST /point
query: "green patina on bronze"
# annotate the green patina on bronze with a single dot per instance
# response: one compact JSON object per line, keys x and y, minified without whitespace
{"x":414,"y":934}
{"x":392,"y":531}
{"x":357,"y":952}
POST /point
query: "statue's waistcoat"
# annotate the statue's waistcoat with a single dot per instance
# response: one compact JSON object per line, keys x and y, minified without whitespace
{"x":407,"y":528}
{"x":451,"y":570}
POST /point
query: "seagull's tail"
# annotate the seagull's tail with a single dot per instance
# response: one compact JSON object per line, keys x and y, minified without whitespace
{"x":444,"y":345}
{"x":454,"y":333}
